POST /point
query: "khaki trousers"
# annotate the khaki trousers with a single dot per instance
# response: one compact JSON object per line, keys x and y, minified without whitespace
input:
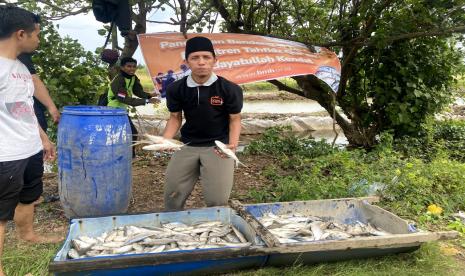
{"x":192,"y":163}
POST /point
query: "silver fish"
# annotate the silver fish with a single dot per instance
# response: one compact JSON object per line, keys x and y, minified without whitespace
{"x":73,"y":254}
{"x":167,"y":146}
{"x":228,"y":152}
{"x":316,"y":230}
{"x":290,"y":228}
{"x":80,"y":246}
{"x":239,"y":234}
{"x":158,"y":249}
{"x":138,"y":238}
{"x":168,"y":237}
{"x":123,"y":249}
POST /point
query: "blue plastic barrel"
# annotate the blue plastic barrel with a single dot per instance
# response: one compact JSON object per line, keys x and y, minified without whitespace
{"x":94,"y":161}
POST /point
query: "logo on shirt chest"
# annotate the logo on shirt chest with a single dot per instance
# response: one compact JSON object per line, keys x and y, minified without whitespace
{"x":216,"y":100}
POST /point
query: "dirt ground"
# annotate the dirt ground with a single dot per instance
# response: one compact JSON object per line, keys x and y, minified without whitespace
{"x":147,"y":196}
{"x":148,"y":178}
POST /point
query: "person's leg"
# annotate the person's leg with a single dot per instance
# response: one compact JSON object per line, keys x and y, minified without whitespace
{"x":181,"y":175}
{"x":134,"y":136}
{"x":30,"y":193}
{"x":2,"y":241}
{"x":11,"y":183}
{"x":216,"y":175}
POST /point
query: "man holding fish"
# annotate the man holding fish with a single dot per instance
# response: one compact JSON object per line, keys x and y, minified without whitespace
{"x":211,"y":106}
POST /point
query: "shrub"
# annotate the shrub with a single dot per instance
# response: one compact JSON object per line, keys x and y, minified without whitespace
{"x":407,"y":185}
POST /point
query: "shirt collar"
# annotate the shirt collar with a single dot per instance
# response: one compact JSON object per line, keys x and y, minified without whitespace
{"x":191,"y":82}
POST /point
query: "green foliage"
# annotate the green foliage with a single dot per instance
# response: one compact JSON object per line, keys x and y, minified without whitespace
{"x":280,"y":140}
{"x":406,"y":184}
{"x":437,"y":138}
{"x":420,"y":184}
{"x":72,"y":75}
{"x":457,"y":225}
{"x":452,"y":135}
{"x":407,"y":82}
{"x":395,"y":73}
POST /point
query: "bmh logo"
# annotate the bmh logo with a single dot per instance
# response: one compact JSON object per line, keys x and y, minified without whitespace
{"x":216,"y":100}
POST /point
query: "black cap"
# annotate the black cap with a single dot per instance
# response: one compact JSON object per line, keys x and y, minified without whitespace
{"x":197,"y":44}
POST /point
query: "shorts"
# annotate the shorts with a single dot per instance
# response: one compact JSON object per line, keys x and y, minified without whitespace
{"x":33,"y":185}
{"x":11,"y":184}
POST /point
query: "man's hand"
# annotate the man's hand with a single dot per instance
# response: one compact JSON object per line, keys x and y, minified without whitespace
{"x":221,"y":154}
{"x":155,"y":94}
{"x":48,"y":146}
{"x":55,"y":115}
{"x":49,"y":150}
{"x":232,"y":147}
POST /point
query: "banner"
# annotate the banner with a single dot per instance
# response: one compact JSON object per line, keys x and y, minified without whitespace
{"x":241,"y":58}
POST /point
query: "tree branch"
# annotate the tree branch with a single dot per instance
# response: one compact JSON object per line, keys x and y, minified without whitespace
{"x":164,"y":22}
{"x":437,"y":32}
{"x":65,"y":12}
{"x":282,"y":86}
{"x":219,"y":5}
{"x":191,"y":21}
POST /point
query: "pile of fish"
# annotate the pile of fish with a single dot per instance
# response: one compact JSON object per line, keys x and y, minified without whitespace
{"x":172,"y":236}
{"x":228,"y":152}
{"x":295,"y":227}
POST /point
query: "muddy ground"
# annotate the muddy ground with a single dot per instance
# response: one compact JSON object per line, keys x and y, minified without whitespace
{"x":148,"y":178}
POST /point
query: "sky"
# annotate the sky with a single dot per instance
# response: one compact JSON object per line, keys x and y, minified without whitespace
{"x":84,"y":27}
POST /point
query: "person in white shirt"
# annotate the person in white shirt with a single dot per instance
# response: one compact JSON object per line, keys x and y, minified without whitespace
{"x":21,"y":136}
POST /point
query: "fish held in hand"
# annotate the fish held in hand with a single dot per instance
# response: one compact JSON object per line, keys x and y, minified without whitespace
{"x":228,"y":152}
{"x":165,"y":146}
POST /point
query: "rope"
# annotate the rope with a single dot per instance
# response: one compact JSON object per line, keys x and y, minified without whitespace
{"x":109,"y":34}
{"x":334,"y":120}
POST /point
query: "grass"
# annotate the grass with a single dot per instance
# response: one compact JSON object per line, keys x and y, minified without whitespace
{"x":428,"y":260}
{"x":21,"y":259}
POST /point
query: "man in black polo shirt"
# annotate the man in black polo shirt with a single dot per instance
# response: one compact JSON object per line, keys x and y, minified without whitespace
{"x":211,"y":106}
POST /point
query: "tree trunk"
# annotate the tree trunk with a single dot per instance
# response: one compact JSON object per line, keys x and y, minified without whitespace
{"x":357,"y":135}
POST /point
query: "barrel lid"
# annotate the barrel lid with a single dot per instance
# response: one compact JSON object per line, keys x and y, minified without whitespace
{"x":93,"y":110}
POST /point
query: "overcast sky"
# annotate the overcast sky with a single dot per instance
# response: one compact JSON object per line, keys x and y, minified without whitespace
{"x":84,"y":28}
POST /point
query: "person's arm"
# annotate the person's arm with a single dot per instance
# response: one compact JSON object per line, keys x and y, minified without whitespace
{"x":118,"y":87}
{"x":41,"y":93}
{"x":234,"y":130}
{"x":49,"y":147}
{"x":173,"y":125}
{"x":138,"y":90}
{"x":233,"y":105}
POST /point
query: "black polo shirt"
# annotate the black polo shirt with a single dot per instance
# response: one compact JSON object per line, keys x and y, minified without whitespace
{"x":206,"y":109}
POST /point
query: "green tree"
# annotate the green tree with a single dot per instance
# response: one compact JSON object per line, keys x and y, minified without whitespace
{"x":398,"y":56}
{"x":72,"y":75}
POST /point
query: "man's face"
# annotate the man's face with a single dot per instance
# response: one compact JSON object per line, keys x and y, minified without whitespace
{"x":129,"y":68}
{"x":28,"y":42}
{"x":201,"y":63}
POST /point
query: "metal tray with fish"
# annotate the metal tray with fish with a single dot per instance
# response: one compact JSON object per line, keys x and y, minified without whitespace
{"x":132,"y":245}
{"x":331,"y":230}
